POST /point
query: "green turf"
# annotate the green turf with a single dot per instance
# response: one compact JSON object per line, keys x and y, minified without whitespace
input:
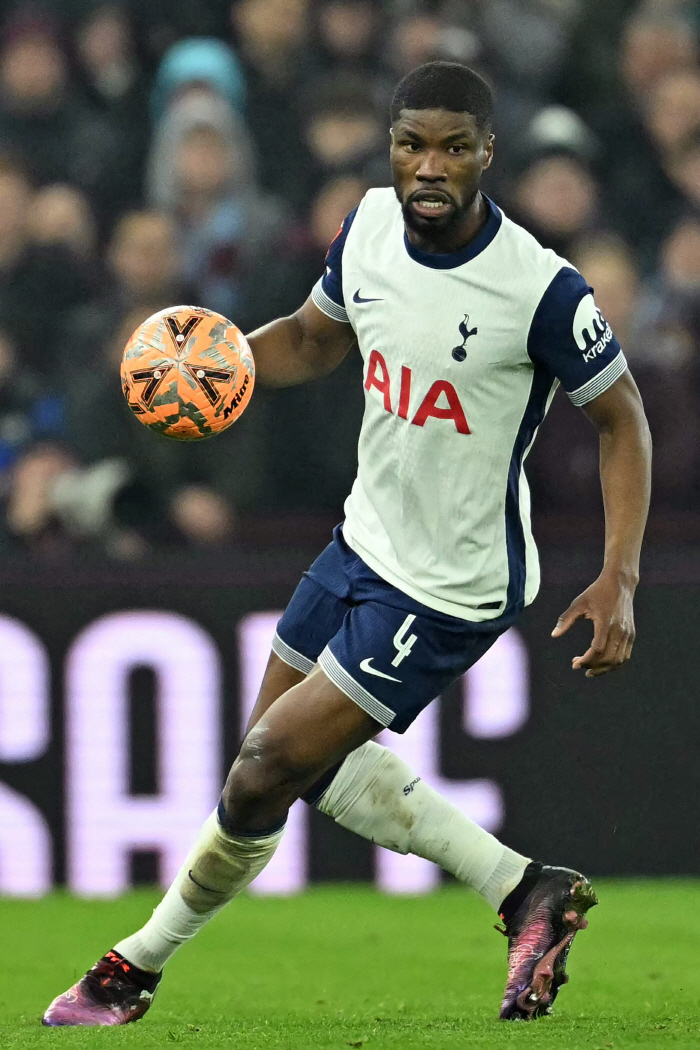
{"x":343,"y":967}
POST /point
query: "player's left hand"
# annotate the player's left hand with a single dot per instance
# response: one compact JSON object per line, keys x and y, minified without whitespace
{"x":609,"y":604}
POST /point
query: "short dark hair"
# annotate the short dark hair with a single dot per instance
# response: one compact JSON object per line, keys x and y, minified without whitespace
{"x":445,"y":85}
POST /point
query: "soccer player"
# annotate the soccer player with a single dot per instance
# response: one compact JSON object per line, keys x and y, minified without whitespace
{"x":465,"y":325}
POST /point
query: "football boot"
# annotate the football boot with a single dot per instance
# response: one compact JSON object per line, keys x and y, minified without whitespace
{"x":112,"y":992}
{"x":541,"y":917}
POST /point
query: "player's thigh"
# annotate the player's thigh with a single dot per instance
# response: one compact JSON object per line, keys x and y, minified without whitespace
{"x":279,"y":677}
{"x":313,"y":616}
{"x":315,"y":723}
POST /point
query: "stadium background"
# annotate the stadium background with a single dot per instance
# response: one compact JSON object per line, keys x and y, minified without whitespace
{"x":206,"y":152}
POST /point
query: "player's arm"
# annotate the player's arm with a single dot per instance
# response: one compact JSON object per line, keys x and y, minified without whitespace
{"x":301,"y":347}
{"x":314,"y":340}
{"x":625,"y":472}
{"x":570,"y":339}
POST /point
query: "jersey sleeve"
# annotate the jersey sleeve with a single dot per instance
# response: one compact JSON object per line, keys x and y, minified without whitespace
{"x":570,"y":337}
{"x":327,"y":293}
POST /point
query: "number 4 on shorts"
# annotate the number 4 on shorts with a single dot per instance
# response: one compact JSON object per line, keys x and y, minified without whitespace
{"x":403,"y":644}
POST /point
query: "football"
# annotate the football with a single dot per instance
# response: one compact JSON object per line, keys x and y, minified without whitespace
{"x":187,"y":372}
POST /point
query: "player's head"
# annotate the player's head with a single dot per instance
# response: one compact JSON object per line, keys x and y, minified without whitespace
{"x":441,"y":143}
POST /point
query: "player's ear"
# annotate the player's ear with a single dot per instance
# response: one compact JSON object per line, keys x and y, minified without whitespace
{"x":488,"y":150}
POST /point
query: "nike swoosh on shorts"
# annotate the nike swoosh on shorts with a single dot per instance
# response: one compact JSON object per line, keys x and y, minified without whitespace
{"x":365,"y":666}
{"x":357,"y":298}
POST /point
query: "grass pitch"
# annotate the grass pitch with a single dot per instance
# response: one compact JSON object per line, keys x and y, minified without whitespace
{"x":347,"y":967}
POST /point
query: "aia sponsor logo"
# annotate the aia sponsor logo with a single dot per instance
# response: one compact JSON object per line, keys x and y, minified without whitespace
{"x":440,"y":402}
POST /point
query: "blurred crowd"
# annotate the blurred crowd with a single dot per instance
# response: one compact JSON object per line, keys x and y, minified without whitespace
{"x":206,"y":151}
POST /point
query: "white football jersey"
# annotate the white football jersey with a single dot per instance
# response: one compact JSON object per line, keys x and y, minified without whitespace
{"x":462,"y":354}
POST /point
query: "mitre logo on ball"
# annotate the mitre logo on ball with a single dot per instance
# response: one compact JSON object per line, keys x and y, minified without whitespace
{"x":187,"y":372}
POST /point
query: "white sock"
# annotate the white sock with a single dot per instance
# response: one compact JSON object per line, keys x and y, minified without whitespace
{"x":367,"y":796}
{"x":217,"y":868}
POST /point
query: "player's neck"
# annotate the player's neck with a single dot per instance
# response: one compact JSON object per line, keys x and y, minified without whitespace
{"x":455,"y":238}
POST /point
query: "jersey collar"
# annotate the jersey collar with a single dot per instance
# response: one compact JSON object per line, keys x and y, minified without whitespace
{"x":448,"y":260}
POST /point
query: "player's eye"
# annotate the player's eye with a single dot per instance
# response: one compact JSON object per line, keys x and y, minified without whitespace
{"x":457,"y":149}
{"x":410,"y":146}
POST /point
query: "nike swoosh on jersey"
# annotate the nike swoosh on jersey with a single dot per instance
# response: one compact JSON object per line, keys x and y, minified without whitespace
{"x":366,"y":666}
{"x":357,"y":298}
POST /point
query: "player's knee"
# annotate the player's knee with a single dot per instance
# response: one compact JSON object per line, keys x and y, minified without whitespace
{"x":267,"y":774}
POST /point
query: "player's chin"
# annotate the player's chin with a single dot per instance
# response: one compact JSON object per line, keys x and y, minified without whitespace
{"x":422,"y":223}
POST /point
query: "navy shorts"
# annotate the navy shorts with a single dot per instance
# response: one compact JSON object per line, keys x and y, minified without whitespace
{"x":387,"y":652}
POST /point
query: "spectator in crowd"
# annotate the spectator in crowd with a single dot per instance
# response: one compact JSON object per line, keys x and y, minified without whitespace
{"x":115,"y":85}
{"x":75,"y":491}
{"x":202,"y":172}
{"x":49,"y":124}
{"x":345,"y":133}
{"x":60,"y":214}
{"x":107,"y":56}
{"x":672,"y":120}
{"x":655,"y":42}
{"x":667,"y":365}
{"x":15,"y":195}
{"x":28,"y":414}
{"x":523,"y":45}
{"x":670,"y":313}
{"x":349,"y":36}
{"x":143,"y":275}
{"x":41,"y":277}
{"x":672,"y":109}
{"x":557,"y":198}
{"x":30,"y":520}
{"x":414,"y":40}
{"x":272,"y":38}
{"x":683,"y":169}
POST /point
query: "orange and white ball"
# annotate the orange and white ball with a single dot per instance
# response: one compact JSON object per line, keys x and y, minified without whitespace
{"x":188,"y":373}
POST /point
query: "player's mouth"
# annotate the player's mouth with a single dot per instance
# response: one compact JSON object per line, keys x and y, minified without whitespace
{"x":431,"y":204}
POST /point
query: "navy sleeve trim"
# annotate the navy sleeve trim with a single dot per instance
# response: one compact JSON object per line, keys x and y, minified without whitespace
{"x":570,"y":337}
{"x":600,"y":383}
{"x":332,"y":280}
{"x":326,"y":305}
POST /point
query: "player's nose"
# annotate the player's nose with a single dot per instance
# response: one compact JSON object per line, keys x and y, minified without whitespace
{"x":431,"y":168}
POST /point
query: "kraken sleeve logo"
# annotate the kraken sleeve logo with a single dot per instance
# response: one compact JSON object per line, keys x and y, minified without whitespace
{"x":180,"y":333}
{"x":591,"y":331}
{"x":206,"y":378}
{"x":588,"y":324}
{"x":151,"y":378}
